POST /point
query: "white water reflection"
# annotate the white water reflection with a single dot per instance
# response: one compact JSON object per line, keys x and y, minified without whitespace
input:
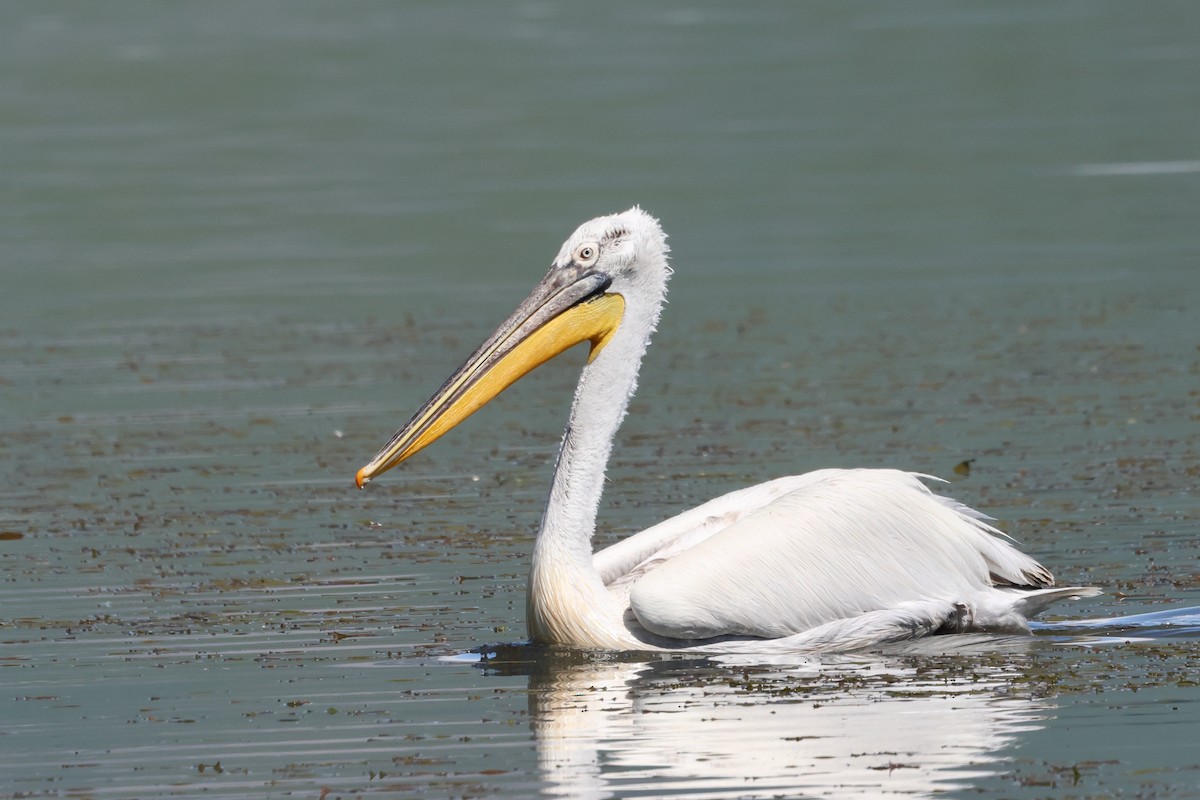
{"x":853,"y":728}
{"x":1181,"y":622}
{"x":1175,"y":621}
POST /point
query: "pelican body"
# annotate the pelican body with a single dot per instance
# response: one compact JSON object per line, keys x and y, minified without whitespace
{"x":830,"y":560}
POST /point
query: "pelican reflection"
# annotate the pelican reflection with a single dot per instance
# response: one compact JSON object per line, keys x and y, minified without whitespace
{"x":855,"y":727}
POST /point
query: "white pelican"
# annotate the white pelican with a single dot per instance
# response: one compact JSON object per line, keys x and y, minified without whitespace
{"x":830,"y":560}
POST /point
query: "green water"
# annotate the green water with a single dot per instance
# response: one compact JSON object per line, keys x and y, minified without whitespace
{"x":241,"y":242}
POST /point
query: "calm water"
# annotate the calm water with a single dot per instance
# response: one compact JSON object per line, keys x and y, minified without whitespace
{"x":240,"y":243}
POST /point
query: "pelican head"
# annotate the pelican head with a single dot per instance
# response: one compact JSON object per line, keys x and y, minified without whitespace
{"x":606,"y":285}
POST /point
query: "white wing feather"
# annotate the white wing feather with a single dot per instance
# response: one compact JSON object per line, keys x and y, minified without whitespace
{"x":801,"y":552}
{"x":617,"y":563}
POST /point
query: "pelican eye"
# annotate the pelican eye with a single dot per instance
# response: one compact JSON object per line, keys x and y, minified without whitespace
{"x":586,"y":254}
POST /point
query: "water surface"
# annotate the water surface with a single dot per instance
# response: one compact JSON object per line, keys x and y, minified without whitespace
{"x":242,"y":242}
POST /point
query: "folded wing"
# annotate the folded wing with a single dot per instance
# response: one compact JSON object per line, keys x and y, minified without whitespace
{"x":831,"y":545}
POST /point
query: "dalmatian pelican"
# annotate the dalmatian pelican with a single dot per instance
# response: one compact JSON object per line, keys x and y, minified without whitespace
{"x":836,"y":559}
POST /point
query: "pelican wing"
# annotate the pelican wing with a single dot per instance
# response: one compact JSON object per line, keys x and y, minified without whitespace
{"x":618,"y":564}
{"x":835,"y":545}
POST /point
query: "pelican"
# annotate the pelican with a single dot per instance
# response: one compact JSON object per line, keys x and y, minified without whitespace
{"x":836,"y":559}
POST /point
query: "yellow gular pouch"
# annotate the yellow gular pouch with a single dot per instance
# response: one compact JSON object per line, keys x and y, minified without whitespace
{"x":594,"y":320}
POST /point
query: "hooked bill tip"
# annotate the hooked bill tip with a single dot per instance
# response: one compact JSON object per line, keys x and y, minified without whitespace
{"x":360,"y":478}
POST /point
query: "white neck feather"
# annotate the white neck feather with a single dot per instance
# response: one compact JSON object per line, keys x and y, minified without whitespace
{"x":567,"y":601}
